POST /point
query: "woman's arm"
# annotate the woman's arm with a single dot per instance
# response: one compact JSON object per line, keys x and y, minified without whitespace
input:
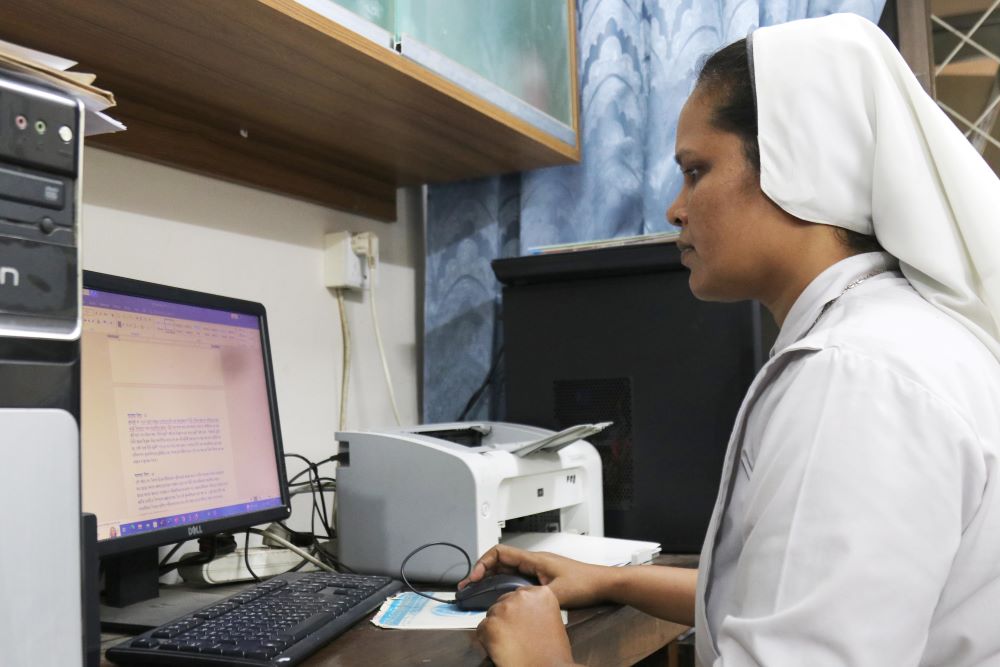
{"x":525,"y":628}
{"x":664,"y":592}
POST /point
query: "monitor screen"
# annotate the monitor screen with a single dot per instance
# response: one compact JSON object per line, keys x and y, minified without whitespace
{"x":179,"y":427}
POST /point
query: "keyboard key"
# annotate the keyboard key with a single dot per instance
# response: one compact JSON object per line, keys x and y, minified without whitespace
{"x":145,"y":643}
{"x":166,"y":633}
{"x":261,"y":654}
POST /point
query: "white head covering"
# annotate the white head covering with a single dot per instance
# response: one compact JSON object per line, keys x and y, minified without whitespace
{"x":849,"y":138}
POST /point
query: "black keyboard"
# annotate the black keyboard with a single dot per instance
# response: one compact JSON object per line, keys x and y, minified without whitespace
{"x":277,"y":622}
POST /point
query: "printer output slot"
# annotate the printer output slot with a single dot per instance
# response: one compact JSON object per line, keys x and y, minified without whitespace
{"x":471,"y":436}
{"x":543,"y":522}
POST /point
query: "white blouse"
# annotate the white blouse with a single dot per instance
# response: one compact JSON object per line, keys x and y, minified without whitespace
{"x":858,"y":519}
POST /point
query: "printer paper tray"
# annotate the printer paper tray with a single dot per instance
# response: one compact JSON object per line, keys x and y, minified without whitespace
{"x":586,"y":548}
{"x":556,"y":441}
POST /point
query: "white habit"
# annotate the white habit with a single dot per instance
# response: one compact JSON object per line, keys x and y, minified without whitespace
{"x":858,"y":522}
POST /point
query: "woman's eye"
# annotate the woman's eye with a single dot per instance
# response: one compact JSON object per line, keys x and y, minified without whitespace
{"x":692,"y":174}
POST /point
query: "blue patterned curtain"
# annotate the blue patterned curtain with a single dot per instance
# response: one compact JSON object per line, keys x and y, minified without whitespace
{"x":637,"y":61}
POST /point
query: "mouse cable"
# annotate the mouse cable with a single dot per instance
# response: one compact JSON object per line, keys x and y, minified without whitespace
{"x":413,"y":553}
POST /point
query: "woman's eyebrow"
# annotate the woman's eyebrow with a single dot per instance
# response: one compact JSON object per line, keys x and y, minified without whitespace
{"x":681,"y":155}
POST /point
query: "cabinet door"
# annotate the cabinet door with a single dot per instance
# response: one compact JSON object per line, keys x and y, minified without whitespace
{"x":379,"y":12}
{"x":374,"y":19}
{"x":519,"y":55}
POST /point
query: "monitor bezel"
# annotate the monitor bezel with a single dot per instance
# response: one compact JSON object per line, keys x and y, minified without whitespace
{"x":236,"y":523}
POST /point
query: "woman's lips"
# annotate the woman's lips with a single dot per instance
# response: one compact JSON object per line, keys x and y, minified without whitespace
{"x":685,"y":249}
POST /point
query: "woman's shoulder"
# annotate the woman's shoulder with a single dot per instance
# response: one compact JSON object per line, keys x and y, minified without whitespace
{"x":891,"y":329}
{"x":891,"y":321}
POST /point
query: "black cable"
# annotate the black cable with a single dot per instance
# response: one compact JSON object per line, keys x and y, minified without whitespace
{"x":289,"y":455}
{"x":320,"y":552}
{"x":246,"y":556}
{"x":402,"y":575}
{"x":318,"y":506}
{"x":332,"y":459}
{"x":482,"y":388}
{"x":200,"y":558}
{"x":296,"y":568}
{"x":325,"y":514}
{"x":331,"y":487}
{"x":170,"y":553}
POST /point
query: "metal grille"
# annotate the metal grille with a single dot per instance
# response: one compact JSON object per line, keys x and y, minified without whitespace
{"x":966,"y":48}
{"x":598,"y":400}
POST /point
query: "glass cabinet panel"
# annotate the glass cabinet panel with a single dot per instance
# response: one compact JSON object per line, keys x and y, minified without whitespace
{"x":521,"y":46}
{"x":379,"y":12}
{"x":514,"y":54}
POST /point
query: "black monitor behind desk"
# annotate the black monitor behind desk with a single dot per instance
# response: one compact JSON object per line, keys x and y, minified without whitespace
{"x":604,"y":635}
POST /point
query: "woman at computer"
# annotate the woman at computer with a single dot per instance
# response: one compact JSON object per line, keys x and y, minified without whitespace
{"x":858,"y":518}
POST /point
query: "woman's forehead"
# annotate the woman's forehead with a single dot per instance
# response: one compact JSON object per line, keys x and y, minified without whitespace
{"x":695,"y":129}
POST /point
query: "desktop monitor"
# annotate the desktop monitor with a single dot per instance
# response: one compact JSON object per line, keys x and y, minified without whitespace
{"x":179,"y":423}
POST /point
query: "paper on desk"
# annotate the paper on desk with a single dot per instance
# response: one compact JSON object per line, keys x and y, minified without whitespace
{"x":409,"y":611}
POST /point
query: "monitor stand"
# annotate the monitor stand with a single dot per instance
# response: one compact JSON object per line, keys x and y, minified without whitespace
{"x":134,"y":600}
{"x":174,"y":601}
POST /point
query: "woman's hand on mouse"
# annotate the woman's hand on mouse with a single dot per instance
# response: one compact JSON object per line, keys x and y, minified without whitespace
{"x":525,"y":628}
{"x":574,"y":584}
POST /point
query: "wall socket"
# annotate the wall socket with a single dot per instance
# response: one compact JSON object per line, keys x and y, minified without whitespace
{"x":349,"y":259}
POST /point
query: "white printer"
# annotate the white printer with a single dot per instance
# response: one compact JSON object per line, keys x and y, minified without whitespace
{"x":461,"y":483}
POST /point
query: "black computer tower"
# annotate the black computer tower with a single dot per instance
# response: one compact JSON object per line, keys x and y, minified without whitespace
{"x":40,"y":159}
{"x":616,"y":335}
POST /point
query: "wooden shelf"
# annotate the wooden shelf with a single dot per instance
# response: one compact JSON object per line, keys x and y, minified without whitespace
{"x":269,"y":94}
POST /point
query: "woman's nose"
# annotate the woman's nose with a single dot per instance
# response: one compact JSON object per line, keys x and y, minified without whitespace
{"x":676,"y":213}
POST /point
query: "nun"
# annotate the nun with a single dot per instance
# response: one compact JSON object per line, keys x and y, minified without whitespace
{"x":858,"y":517}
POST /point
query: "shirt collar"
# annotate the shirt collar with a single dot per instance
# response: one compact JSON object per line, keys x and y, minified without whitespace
{"x":824,"y":288}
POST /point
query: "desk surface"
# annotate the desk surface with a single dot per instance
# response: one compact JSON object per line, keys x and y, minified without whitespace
{"x":605,"y":635}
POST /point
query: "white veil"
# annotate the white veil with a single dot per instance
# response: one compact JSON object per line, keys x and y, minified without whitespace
{"x":849,"y":138}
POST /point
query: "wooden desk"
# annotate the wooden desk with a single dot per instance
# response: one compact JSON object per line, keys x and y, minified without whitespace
{"x":606,"y":635}
{"x":599,"y":636}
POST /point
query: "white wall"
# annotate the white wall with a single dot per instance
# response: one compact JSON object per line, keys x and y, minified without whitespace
{"x":149,"y":222}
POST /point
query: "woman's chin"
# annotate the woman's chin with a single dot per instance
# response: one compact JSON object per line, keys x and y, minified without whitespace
{"x":697,"y":288}
{"x":705,"y":291}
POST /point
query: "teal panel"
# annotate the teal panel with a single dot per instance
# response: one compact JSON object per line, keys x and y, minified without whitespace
{"x":520,"y":45}
{"x":379,"y":12}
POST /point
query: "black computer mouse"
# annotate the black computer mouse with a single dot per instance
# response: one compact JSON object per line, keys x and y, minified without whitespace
{"x":479,"y":595}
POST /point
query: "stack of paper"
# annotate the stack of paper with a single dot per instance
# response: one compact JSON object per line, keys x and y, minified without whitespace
{"x":53,"y":71}
{"x":593,"y":549}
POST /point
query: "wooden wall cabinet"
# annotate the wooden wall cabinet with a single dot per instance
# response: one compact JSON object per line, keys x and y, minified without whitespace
{"x":275,"y":95}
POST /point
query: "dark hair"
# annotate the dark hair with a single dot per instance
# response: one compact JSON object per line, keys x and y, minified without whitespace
{"x":727,"y":76}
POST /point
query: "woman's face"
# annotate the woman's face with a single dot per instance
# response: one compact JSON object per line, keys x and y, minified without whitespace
{"x":726,"y":220}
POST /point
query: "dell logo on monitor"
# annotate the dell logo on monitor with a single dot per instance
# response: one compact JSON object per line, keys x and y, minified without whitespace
{"x":194,"y":530}
{"x":11,"y":274}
